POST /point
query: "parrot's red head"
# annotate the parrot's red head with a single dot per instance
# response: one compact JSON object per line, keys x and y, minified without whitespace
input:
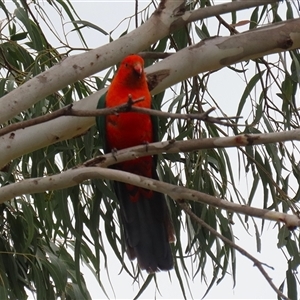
{"x":132,"y":69}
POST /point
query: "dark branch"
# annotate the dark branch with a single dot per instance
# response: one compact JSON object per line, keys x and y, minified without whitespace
{"x":68,"y":111}
{"x":42,"y":119}
{"x":123,"y":108}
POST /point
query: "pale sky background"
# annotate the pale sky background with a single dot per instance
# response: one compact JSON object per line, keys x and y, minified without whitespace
{"x":224,"y":85}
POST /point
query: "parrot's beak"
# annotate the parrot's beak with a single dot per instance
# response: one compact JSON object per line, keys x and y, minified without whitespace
{"x":138,"y":68}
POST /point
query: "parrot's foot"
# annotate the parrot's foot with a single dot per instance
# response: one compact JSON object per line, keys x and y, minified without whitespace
{"x":131,"y":102}
{"x":146,"y":143}
{"x":114,"y":152}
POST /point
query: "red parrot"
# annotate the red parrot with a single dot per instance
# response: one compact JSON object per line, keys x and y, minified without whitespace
{"x":144,"y":213}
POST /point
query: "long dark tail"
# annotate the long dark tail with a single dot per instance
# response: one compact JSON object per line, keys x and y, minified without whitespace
{"x":148,"y":229}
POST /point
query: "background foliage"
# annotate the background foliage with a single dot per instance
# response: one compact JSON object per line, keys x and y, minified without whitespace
{"x":46,"y":237}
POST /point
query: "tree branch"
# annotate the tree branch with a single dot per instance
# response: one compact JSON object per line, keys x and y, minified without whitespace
{"x":233,"y":245}
{"x":207,"y":55}
{"x":211,"y":11}
{"x":217,"y":52}
{"x":19,"y":144}
{"x":123,"y":108}
{"x":75,"y":176}
{"x":69,"y":111}
{"x":166,"y":18}
{"x":38,"y":120}
{"x":80,"y":66}
{"x":174,"y":146}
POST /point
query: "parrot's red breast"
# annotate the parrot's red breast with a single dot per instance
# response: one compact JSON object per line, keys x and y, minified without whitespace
{"x":130,"y":129}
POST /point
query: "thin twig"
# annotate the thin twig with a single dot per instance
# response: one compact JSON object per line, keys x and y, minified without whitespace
{"x":42,"y":119}
{"x":123,"y":108}
{"x":231,"y":29}
{"x":136,"y":13}
{"x":130,"y":108}
{"x":68,"y":111}
{"x":233,"y":245}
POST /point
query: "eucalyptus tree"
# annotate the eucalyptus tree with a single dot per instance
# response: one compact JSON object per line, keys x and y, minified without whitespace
{"x":225,"y":89}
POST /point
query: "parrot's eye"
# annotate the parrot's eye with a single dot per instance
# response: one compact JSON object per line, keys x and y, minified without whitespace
{"x":126,"y":65}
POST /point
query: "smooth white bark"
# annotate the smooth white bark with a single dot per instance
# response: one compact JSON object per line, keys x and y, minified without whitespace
{"x":207,"y":55}
{"x":80,"y":66}
{"x":167,"y":18}
{"x":74,"y":177}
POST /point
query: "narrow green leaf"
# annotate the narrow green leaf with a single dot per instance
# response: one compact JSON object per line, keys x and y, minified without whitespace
{"x":254,"y":18}
{"x":28,"y":215}
{"x":258,"y":239}
{"x":291,"y":284}
{"x":289,"y":11}
{"x":283,"y":236}
{"x":212,"y":282}
{"x":296,"y":67}
{"x":201,"y":34}
{"x":178,"y":275}
{"x":248,"y":89}
{"x":253,"y":189}
{"x":150,"y":277}
{"x":65,"y":5}
{"x":74,"y":292}
{"x":18,"y":36}
{"x":294,"y":252}
{"x":89,"y":24}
